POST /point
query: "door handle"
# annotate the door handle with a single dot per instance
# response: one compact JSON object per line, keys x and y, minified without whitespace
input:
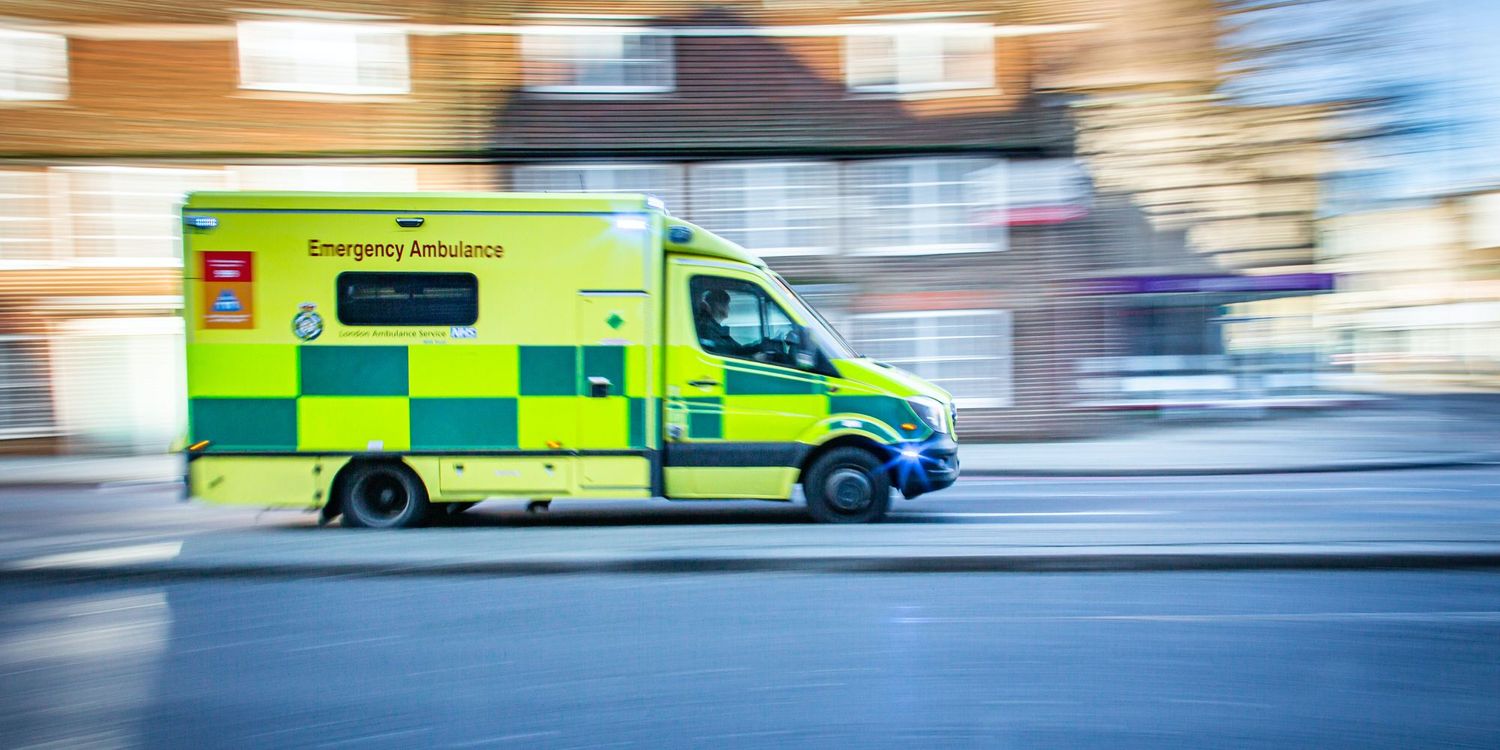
{"x":703,"y":383}
{"x":599,"y":387}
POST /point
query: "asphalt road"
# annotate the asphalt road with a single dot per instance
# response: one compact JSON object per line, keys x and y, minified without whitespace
{"x":1144,"y":660}
{"x":1331,"y":659}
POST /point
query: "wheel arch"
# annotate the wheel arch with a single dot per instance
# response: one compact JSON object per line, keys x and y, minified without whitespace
{"x":333,"y":506}
{"x":860,"y":440}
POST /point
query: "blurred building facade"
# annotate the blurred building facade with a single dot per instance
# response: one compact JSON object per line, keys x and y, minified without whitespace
{"x":1418,"y":307}
{"x":1041,"y":206}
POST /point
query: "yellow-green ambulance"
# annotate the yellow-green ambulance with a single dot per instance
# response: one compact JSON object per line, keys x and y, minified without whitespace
{"x":389,"y":357}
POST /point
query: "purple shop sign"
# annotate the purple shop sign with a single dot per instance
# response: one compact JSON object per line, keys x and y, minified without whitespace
{"x":1290,"y":282}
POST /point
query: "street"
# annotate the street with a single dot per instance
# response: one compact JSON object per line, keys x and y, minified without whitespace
{"x":55,"y":518}
{"x":1233,"y":658}
{"x":1273,"y":660}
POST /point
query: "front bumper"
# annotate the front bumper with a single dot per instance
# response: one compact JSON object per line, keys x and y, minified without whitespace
{"x":927,"y":466}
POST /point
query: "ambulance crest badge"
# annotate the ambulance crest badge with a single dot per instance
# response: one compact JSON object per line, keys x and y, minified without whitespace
{"x":307,"y":324}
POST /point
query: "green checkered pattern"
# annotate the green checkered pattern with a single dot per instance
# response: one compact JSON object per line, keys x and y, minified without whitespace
{"x":258,"y":397}
{"x":762,"y":403}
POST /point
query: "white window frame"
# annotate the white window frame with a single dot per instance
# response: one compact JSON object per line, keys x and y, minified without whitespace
{"x":262,"y":42}
{"x":534,"y":41}
{"x":928,"y":349}
{"x":756,"y":169}
{"x":996,"y":240}
{"x":77,"y":208}
{"x":675,"y":199}
{"x":919,"y":53}
{"x":47,"y":62}
{"x":18,"y":188}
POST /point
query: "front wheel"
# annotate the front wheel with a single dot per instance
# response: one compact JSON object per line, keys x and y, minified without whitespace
{"x":384,"y":496}
{"x":847,"y":485}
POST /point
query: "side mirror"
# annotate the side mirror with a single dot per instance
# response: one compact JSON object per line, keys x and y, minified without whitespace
{"x":805,"y":351}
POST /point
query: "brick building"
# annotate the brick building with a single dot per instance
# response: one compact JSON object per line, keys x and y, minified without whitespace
{"x":911,"y":167}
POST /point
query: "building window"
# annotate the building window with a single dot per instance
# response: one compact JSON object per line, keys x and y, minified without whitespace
{"x":1044,"y":191}
{"x":772,"y":208}
{"x":25,"y":216}
{"x":967,"y":352}
{"x":325,"y":58}
{"x":33,"y":66}
{"x":925,"y":205}
{"x":25,"y":388}
{"x":126,"y":212}
{"x":920,"y":58}
{"x":407,"y":299}
{"x":664,"y":181}
{"x":597,"y":61}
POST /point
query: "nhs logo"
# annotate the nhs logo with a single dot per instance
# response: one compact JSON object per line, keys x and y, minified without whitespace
{"x":462,"y":332}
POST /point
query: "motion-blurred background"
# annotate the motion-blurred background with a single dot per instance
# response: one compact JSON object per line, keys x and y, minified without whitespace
{"x":1079,"y":216}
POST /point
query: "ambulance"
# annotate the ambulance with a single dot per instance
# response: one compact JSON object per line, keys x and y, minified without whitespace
{"x":390,"y":357}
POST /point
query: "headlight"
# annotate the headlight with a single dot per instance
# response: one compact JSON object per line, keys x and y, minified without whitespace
{"x":930,"y":411}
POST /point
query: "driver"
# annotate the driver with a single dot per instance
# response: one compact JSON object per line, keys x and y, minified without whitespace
{"x":713,"y":309}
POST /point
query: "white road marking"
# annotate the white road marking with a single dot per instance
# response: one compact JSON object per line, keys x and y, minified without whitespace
{"x":1314,"y":489}
{"x":505,"y":738}
{"x":366,"y":738}
{"x":1039,"y":514}
{"x":106,"y":557}
{"x":1455,"y":616}
{"x":136,"y":485}
{"x":1065,"y":492}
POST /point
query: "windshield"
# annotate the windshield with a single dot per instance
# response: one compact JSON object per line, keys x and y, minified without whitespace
{"x":833,"y":344}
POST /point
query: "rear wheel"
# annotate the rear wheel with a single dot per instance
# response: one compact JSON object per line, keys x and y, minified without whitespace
{"x":847,"y":485}
{"x":384,"y":496}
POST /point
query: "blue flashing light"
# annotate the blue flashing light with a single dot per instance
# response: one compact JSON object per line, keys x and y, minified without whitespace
{"x":680,"y":235}
{"x":907,"y":462}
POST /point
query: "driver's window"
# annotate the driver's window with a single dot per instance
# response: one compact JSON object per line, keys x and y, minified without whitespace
{"x":779,"y":327}
{"x":735,"y":318}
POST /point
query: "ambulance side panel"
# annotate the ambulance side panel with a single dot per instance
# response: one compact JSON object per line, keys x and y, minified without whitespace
{"x":548,"y":391}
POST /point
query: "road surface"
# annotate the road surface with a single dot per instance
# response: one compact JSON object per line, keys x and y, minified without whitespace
{"x":1145,"y":660}
{"x":1255,"y":658}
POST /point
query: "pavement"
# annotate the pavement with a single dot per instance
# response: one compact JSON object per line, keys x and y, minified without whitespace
{"x":1407,"y":432}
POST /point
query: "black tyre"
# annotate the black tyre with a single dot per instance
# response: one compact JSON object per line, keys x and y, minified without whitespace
{"x":847,"y":485}
{"x":383,"y":496}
